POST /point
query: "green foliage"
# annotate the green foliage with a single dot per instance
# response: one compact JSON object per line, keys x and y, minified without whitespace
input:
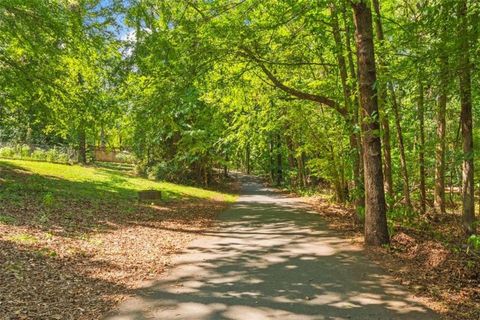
{"x":473,"y":243}
{"x":53,"y":155}
{"x":7,"y":152}
{"x":56,"y":156}
{"x":190,"y":87}
{"x":167,"y":171}
{"x":125,"y":157}
{"x":25,"y":151}
{"x":48,"y":200}
{"x":39,"y":154}
{"x":6,"y":219}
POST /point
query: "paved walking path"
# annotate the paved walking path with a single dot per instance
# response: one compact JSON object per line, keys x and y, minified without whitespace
{"x":272,"y":259}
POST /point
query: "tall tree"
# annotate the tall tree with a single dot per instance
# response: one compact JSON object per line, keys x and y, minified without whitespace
{"x":439,"y":193}
{"x":466,"y":120}
{"x":376,"y":231}
{"x":382,"y":100}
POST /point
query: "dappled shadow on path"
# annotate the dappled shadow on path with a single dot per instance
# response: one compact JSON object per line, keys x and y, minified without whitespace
{"x":270,"y":258}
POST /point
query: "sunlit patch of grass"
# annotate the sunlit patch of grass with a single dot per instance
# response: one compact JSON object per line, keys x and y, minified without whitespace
{"x":98,"y":182}
{"x":23,"y":238}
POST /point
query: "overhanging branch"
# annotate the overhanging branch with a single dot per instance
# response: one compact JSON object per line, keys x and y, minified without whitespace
{"x":295,"y":92}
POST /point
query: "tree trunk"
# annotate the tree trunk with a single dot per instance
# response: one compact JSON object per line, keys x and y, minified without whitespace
{"x":466,"y":119}
{"x":82,"y":145}
{"x":279,"y":161}
{"x":301,"y":170}
{"x":291,"y":161}
{"x":401,"y":146}
{"x":271,"y":162}
{"x":225,"y":166}
{"x":439,"y":193}
{"x":349,"y":104}
{"x":382,"y":94}
{"x":376,"y":231}
{"x":421,"y":154}
{"x":387,"y":157}
{"x":247,"y":158}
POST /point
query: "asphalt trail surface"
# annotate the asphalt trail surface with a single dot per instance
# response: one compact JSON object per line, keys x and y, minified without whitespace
{"x":271,"y":258}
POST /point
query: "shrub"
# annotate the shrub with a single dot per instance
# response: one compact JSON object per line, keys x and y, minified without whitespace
{"x":62,"y":157}
{"x":39,"y":155}
{"x":25,"y":151}
{"x":51,"y":155}
{"x":473,"y":243}
{"x":7,"y":152}
{"x":56,"y":156}
{"x":125,"y":157}
{"x":48,"y":200}
{"x":163,"y":171}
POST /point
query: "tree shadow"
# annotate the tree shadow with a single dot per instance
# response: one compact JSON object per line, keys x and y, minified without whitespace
{"x":269,"y":258}
{"x":62,"y":242}
{"x":73,"y":208}
{"x":26,"y":295}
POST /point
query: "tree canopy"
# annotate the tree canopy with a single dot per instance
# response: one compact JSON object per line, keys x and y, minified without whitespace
{"x":374,"y":101}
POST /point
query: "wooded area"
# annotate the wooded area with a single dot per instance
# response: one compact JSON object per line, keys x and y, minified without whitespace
{"x":291,"y":89}
{"x":373,"y":101}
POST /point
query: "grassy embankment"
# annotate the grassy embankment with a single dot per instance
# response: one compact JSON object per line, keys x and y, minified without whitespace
{"x":74,"y":240}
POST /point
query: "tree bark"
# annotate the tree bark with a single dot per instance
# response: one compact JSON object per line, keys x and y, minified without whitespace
{"x":82,"y":144}
{"x":439,"y":192}
{"x":279,"y":161}
{"x":376,"y":231}
{"x":347,"y":95}
{"x":382,"y":94}
{"x":421,"y":153}
{"x":466,"y":119}
{"x":401,"y":146}
{"x":247,"y":158}
{"x":355,"y":138}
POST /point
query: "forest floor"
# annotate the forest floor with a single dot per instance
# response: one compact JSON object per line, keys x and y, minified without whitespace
{"x":427,"y":255}
{"x":74,"y":241}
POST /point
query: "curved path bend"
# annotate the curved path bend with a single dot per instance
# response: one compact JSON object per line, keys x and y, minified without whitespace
{"x":270,"y":258}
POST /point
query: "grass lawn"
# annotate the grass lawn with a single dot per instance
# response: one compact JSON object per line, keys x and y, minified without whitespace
{"x":101,"y":182}
{"x":74,"y":240}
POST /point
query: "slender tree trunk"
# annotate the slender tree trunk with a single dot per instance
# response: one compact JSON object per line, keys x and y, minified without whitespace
{"x":421,"y":154}
{"x":82,"y":145}
{"x":439,"y":193}
{"x":103,"y":142}
{"x":272,"y":164}
{"x":247,"y":158}
{"x":387,"y":156}
{"x":401,"y":146}
{"x":225,"y":166}
{"x":382,"y":94}
{"x":355,"y":138}
{"x":279,"y":161}
{"x":376,"y":231}
{"x":301,"y":170}
{"x":347,"y":95}
{"x":291,"y":161}
{"x":466,"y":119}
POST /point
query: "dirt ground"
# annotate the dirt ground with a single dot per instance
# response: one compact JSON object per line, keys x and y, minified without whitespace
{"x":52,"y":274}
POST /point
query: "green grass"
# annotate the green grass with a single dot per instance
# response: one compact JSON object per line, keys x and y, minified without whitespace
{"x":23,"y":238}
{"x":93,"y":182}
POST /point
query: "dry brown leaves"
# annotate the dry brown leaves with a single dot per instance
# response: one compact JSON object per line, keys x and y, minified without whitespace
{"x":87,"y":256}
